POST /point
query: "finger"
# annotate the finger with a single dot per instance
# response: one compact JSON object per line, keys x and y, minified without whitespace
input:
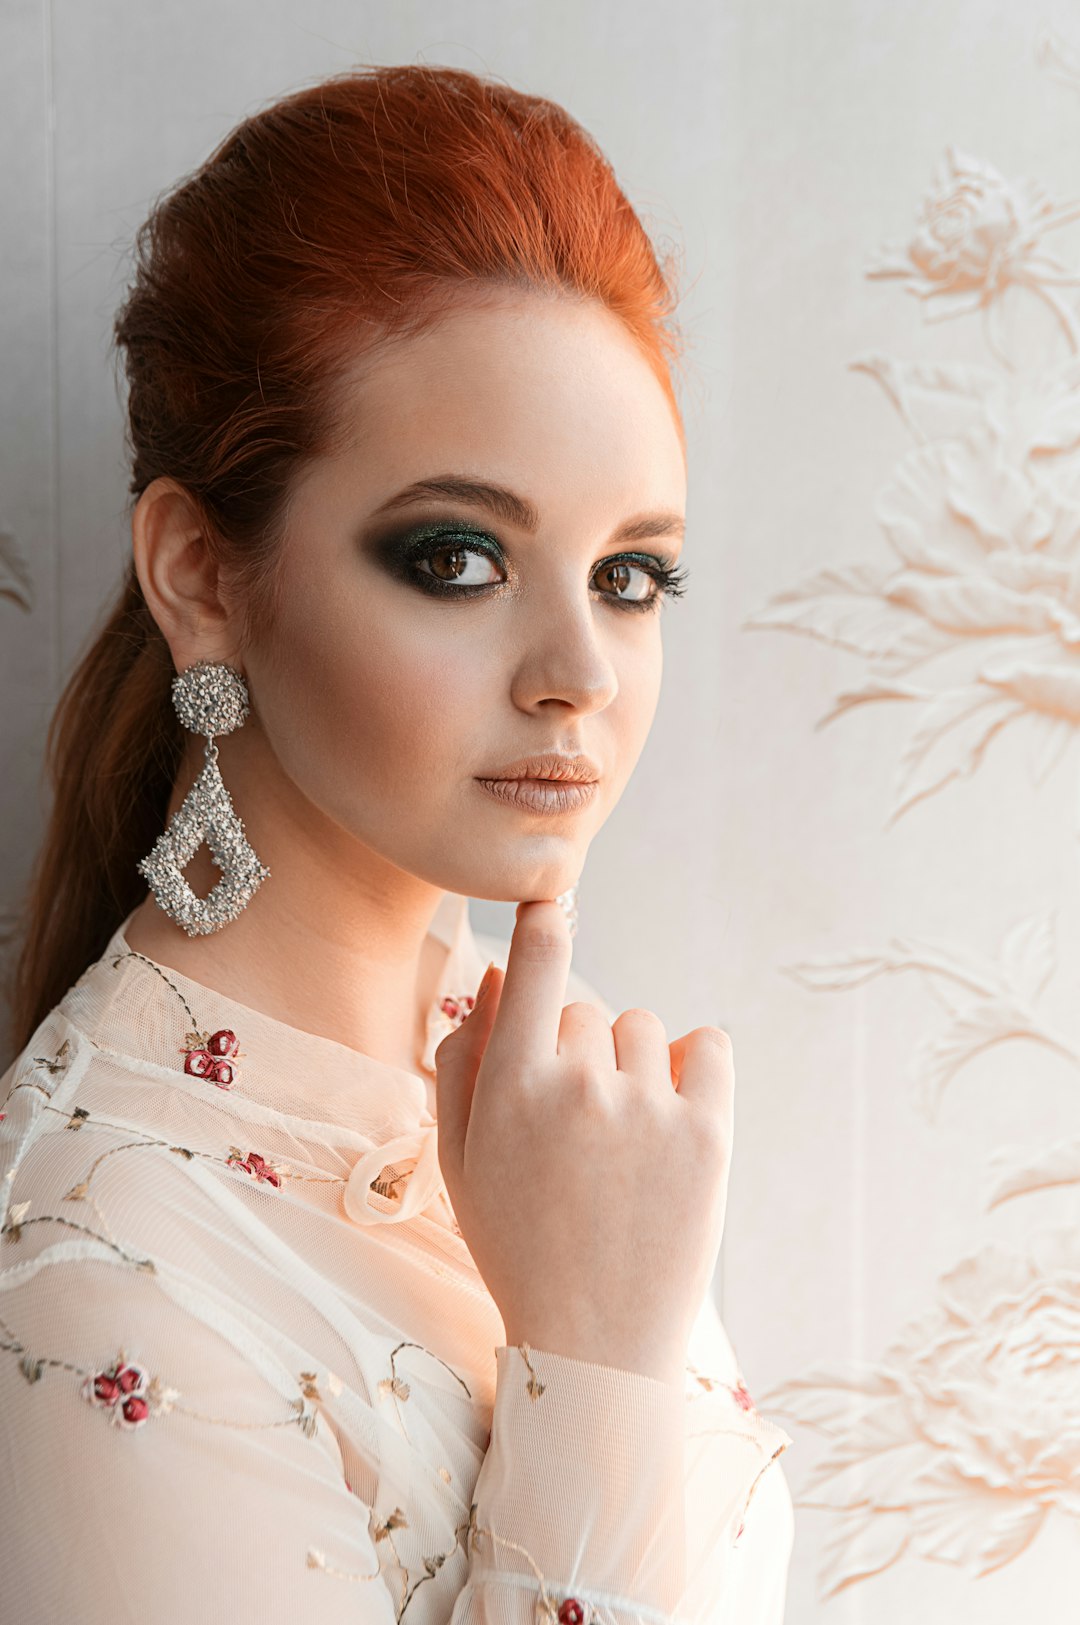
{"x":457,"y":1060}
{"x":585,"y":1031}
{"x":641,"y":1045}
{"x":533,"y":988}
{"x":703,"y":1071}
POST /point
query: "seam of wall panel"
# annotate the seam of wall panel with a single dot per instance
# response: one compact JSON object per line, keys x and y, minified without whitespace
{"x":53,"y":359}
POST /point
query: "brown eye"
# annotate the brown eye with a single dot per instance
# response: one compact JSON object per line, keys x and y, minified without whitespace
{"x":455,"y":562}
{"x":619,"y":574}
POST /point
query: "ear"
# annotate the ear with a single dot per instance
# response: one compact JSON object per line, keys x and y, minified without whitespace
{"x":179,"y":576}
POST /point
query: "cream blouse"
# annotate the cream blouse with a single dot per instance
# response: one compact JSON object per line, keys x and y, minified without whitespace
{"x":249,"y":1370}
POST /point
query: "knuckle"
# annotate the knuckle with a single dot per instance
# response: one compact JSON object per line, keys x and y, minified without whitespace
{"x":540,"y":945}
{"x":641,"y":1017}
{"x":587,"y":1089}
{"x":583,"y":1012}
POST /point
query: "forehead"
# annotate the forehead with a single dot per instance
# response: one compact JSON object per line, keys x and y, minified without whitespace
{"x":544,"y":393}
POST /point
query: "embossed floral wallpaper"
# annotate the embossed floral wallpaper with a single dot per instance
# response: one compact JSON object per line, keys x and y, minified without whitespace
{"x":854,"y":836}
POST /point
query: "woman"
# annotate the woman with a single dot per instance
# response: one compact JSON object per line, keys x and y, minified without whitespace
{"x":339,"y":1281}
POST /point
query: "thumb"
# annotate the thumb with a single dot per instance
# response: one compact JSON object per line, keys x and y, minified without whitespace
{"x":457,"y":1061}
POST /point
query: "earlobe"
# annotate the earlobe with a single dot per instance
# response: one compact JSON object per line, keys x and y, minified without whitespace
{"x":178,"y":573}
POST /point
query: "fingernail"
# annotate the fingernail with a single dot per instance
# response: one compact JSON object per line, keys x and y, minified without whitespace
{"x":485,"y":983}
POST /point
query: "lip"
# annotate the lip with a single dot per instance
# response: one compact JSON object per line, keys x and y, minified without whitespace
{"x":542,"y":795}
{"x":554,"y":765}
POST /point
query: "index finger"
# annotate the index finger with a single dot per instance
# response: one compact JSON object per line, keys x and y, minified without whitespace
{"x":533,"y":990}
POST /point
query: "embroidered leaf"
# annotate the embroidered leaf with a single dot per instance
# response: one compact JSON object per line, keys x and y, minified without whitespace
{"x":396,"y":1520}
{"x":31,"y":1367}
{"x":77,"y":1118}
{"x":182,"y":1151}
{"x":77,"y":1192}
{"x":161,"y":1398}
{"x":19,"y":1212}
{"x":394,"y":1385}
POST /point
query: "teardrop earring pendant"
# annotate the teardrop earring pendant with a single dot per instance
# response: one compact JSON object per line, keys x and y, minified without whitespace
{"x":210,"y":698}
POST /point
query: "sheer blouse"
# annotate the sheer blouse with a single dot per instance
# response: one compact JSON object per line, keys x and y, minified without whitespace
{"x":249,"y":1369}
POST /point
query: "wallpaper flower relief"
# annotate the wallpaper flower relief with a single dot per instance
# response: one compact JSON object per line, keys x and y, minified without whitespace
{"x":963,"y":1436}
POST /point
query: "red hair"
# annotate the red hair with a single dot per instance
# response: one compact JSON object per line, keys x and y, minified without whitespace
{"x":336,"y":219}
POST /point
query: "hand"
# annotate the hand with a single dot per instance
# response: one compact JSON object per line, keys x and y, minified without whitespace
{"x":587,"y":1164}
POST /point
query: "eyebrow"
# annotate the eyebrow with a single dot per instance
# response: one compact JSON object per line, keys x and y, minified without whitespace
{"x":516,"y":510}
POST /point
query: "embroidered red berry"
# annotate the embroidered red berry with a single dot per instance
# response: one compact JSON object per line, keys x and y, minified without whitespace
{"x":571,"y":1612}
{"x":129,"y":1377}
{"x":261,"y":1169}
{"x":221,"y":1073}
{"x":120,"y":1390}
{"x":457,"y":1006}
{"x":106,"y":1388}
{"x":742,"y":1397}
{"x":198,"y":1063}
{"x":254,"y":1164}
{"x":223,"y":1042}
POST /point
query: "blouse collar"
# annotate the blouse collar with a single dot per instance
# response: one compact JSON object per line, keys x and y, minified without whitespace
{"x":152,"y":1014}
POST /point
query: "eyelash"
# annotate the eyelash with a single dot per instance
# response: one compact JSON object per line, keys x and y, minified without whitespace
{"x":671,"y":582}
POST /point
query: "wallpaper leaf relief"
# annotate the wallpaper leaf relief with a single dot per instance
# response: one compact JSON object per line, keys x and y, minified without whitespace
{"x":959,"y":1440}
{"x":985,"y":1001}
{"x":957,"y":1443}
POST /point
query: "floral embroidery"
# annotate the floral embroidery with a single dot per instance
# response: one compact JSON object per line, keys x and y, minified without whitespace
{"x":127,"y":1392}
{"x":534,"y":1387}
{"x":212,"y":1056}
{"x":545,"y":1612}
{"x":738,"y":1389}
{"x":254,"y":1164}
{"x":456,"y":1006}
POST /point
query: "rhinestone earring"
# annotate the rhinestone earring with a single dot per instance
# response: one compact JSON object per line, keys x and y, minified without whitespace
{"x":209,"y":698}
{"x":567,"y":901}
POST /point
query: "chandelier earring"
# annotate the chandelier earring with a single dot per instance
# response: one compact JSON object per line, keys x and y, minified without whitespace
{"x":210,"y":698}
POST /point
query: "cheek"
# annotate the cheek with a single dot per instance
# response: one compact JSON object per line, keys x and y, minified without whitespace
{"x":364,"y":702}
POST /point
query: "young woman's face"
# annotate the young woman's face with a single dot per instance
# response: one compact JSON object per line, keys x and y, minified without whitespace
{"x":427,"y":638}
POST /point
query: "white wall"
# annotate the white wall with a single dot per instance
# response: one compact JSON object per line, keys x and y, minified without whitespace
{"x":899,"y":984}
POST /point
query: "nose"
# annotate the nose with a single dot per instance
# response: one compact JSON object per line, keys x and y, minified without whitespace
{"x":562,"y":658}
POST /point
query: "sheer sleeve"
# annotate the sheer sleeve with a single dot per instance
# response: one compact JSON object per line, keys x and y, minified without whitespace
{"x":609,"y":1495}
{"x":167,"y":1480}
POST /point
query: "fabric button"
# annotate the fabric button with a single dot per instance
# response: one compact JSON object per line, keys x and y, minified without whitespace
{"x":419,"y":1187}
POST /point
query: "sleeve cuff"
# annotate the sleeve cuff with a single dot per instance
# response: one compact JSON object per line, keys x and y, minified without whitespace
{"x":583,"y":1482}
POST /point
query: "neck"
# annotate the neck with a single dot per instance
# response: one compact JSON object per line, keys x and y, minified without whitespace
{"x":335,"y":942}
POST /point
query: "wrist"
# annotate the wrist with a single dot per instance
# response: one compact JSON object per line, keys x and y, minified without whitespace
{"x":662,"y":1364}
